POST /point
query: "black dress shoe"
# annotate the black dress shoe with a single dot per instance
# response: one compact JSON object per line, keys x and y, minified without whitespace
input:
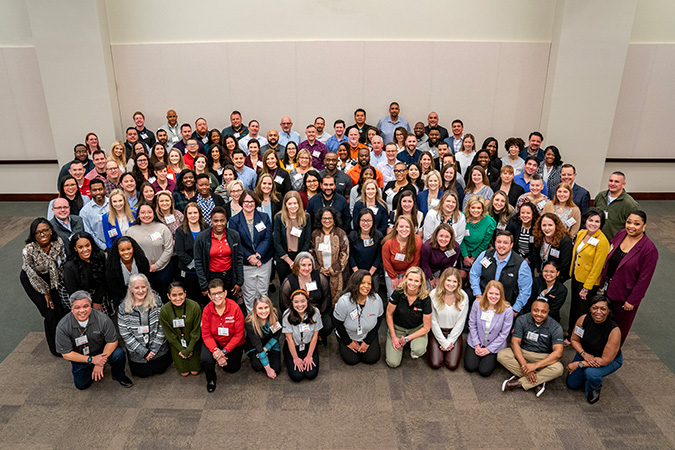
{"x":211,"y":385}
{"x":125,"y":382}
{"x":593,"y":396}
{"x":272,"y":289}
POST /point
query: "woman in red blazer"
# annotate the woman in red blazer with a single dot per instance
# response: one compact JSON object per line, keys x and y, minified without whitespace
{"x":628,"y":270}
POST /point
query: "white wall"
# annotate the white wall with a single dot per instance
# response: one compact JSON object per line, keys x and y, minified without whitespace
{"x":171,"y":21}
{"x":654,"y":22}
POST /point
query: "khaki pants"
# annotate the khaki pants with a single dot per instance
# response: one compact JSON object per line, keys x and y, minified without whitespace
{"x":507,"y":359}
{"x":418,"y":346}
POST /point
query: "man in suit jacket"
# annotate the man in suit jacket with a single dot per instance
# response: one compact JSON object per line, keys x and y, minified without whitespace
{"x":580,"y":196}
{"x":64,"y":224}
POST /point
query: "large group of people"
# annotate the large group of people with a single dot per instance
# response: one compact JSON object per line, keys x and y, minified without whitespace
{"x":171,"y":244}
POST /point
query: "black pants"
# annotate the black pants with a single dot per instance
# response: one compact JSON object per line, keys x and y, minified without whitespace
{"x":296,"y":375}
{"x":155,"y":366}
{"x":161,"y":280}
{"x":209,"y":364}
{"x":579,"y":307}
{"x":274,"y":358}
{"x":485,"y":365}
{"x":191,"y":282}
{"x":51,"y":316}
{"x":327,"y":320}
{"x":284,"y":270}
{"x":371,"y":356}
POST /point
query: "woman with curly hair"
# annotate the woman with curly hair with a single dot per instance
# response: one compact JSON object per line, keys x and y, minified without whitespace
{"x":563,"y":206}
{"x":330,"y":248}
{"x":552,"y":243}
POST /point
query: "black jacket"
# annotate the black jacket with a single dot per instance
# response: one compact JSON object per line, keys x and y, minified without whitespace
{"x":202,"y":249}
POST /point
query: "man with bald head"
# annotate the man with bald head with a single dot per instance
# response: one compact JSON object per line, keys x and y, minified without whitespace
{"x":377,"y":154}
{"x":273,"y":144}
{"x":432,"y":121}
{"x":64,"y":224}
{"x":287,"y":134}
{"x":172,"y":129}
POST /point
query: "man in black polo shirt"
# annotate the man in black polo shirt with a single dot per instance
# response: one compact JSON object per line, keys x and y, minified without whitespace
{"x":536,"y":349}
{"x":505,"y":266}
{"x":87,"y":338}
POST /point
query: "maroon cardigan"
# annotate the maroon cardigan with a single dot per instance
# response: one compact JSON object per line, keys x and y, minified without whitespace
{"x":632,"y":277}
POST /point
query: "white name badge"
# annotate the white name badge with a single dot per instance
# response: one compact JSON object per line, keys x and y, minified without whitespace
{"x":175,"y":139}
{"x":606,"y":214}
{"x":278,"y":179}
{"x":311,"y":286}
{"x":295,"y":231}
{"x":487,"y":315}
{"x":541,"y":204}
{"x":222,"y":331}
{"x":501,"y":226}
{"x":144,"y":136}
{"x":152,"y":179}
{"x":354,"y":314}
{"x":368,"y":243}
{"x":144,"y":329}
{"x":171,"y":176}
{"x":555,"y":253}
{"x":373,"y":209}
{"x":205,"y":140}
{"x":276,"y":327}
{"x":323,"y":247}
{"x":569,"y":222}
{"x":298,"y":176}
{"x":178,"y":323}
{"x":81,"y":340}
{"x":112,"y":233}
{"x":531,"y":239}
{"x":191,"y":265}
{"x":260,"y":227}
{"x":532,"y":336}
{"x":485,"y":262}
{"x":399,"y":257}
{"x":579,"y":331}
{"x":467,"y":232}
{"x":169,"y":219}
{"x":449,"y":253}
{"x":593,"y":241}
{"x":301,"y":347}
{"x":183,"y":342}
{"x":156,"y":236}
{"x":259,"y":163}
{"x":434,"y":202}
{"x":389,"y":192}
{"x":304,"y":327}
{"x":316,"y":153}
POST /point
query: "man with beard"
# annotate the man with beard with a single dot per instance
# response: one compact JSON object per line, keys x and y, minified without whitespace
{"x":201,"y":131}
{"x":455,"y":141}
{"x":343,"y":182}
{"x":321,"y":134}
{"x":410,"y":154}
{"x":387,"y":125}
{"x":534,"y":147}
{"x":186,"y":133}
{"x":273,"y":144}
{"x":92,"y":213}
{"x":329,"y":198}
{"x":431,"y":144}
{"x":363,"y":162}
{"x":163,"y":139}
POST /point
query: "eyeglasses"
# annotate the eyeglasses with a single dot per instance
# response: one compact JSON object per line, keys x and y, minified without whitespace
{"x":400,"y":170}
{"x":59,"y":208}
{"x":43,"y":232}
{"x":217,"y":294}
{"x":249,"y":202}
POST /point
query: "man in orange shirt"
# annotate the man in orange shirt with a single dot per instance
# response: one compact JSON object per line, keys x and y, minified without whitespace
{"x":354,"y":144}
{"x":364,"y":161}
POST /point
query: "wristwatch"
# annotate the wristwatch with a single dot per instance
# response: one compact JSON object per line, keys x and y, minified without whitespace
{"x":89,"y":360}
{"x":406,"y":339}
{"x":581,"y":364}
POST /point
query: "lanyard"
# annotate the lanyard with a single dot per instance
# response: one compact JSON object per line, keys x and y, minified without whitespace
{"x":182,"y":329}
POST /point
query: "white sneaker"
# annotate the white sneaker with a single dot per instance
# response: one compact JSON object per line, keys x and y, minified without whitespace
{"x":506,"y":381}
{"x":540,"y":389}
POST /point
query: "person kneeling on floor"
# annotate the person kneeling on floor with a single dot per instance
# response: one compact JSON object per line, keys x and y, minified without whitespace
{"x":536,"y":349}
{"x":87,"y":338}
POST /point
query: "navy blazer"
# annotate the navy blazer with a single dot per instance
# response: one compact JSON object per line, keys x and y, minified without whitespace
{"x":635,"y":271}
{"x":423,"y":200}
{"x":262,"y":243}
{"x":581,"y":197}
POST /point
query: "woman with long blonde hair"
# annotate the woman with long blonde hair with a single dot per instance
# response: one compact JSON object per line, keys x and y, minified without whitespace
{"x":118,"y":154}
{"x":263,"y":335}
{"x":450,"y":305}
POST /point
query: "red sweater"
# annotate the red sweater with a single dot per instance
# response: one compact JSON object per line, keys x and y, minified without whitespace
{"x":394,"y":267}
{"x":232,"y":320}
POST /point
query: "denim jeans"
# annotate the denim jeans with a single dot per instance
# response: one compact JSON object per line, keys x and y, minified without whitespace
{"x":592,"y":376}
{"x":82,"y":371}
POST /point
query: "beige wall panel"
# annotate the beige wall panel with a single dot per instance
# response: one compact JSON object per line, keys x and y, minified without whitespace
{"x":330,"y":83}
{"x":42,"y":179}
{"x":642,"y":177}
{"x":23,"y":111}
{"x":643,"y":122}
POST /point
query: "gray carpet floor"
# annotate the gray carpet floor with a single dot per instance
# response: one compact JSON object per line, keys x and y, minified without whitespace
{"x":345,"y":407}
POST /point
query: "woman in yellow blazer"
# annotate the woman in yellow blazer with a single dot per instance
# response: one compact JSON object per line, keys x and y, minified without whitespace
{"x":588,"y":258}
